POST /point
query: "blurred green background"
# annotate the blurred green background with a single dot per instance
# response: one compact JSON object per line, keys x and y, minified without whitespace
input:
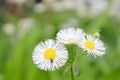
{"x":23,"y":26}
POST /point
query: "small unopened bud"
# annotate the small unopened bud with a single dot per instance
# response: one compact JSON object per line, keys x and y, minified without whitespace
{"x":97,"y":34}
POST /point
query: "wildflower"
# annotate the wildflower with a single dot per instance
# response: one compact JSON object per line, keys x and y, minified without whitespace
{"x":92,"y":45}
{"x":70,"y":35}
{"x":50,"y":55}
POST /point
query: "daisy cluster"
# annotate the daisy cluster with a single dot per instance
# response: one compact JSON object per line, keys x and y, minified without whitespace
{"x":50,"y":54}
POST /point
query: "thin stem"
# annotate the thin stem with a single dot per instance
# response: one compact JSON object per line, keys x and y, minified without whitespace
{"x":72,"y":50}
{"x":72,"y":72}
{"x":72,"y":63}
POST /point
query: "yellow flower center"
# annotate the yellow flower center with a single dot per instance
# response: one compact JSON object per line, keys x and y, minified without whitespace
{"x":89,"y":44}
{"x":50,"y":53}
{"x":70,"y":40}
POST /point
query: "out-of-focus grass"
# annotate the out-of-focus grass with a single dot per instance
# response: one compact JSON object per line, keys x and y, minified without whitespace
{"x":16,"y":55}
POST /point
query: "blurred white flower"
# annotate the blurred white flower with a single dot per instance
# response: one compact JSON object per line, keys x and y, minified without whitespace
{"x":63,"y":5}
{"x":57,"y":6}
{"x":91,"y":7}
{"x":49,"y":29}
{"x":19,"y":2}
{"x":72,"y":22}
{"x":81,"y":7}
{"x":25,"y":25}
{"x":50,"y":55}
{"x":69,"y":4}
{"x":70,"y":35}
{"x":40,"y":8}
{"x":49,"y":1}
{"x":9,"y":29}
{"x":115,"y":9}
{"x":97,"y":6}
{"x":60,"y":5}
{"x":92,"y":45}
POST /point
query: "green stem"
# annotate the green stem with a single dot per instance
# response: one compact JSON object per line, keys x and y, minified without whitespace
{"x":72,"y":72}
{"x":72,"y":63}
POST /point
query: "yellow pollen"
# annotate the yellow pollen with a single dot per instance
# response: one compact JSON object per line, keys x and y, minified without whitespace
{"x":70,"y":39}
{"x":89,"y":44}
{"x":50,"y":53}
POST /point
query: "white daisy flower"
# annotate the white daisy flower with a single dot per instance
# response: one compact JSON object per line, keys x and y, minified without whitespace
{"x":92,"y":45}
{"x":70,"y":35}
{"x":50,"y":55}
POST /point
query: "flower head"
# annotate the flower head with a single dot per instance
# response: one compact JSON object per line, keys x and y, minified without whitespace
{"x":50,"y":55}
{"x":92,"y":45}
{"x":70,"y":35}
